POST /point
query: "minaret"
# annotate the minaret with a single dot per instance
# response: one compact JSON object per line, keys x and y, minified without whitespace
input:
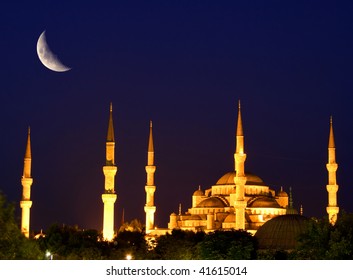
{"x":332,"y":187}
{"x":109,"y":170}
{"x":150,"y":188}
{"x":26,"y":182}
{"x":240,"y":178}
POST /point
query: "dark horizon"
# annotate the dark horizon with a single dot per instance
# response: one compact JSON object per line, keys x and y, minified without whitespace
{"x":183,"y":65}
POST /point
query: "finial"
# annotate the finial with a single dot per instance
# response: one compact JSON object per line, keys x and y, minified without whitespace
{"x":199,"y":187}
{"x":240,"y":123}
{"x":179,"y":209}
{"x":239,"y":106}
{"x":110,"y":135}
{"x":301,"y":209}
{"x":28,"y":153}
{"x":331,"y":141}
{"x":150,"y":140}
{"x":281,"y":189}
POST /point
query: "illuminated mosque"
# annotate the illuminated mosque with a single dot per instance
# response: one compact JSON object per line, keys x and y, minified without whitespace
{"x":239,"y":200}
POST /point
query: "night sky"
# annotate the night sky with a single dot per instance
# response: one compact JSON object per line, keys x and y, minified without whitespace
{"x":184,"y":65}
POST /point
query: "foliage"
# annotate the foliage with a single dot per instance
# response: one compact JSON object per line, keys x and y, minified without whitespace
{"x":134,"y":225}
{"x":13,"y":244}
{"x":324,"y":241}
{"x":70,"y":242}
{"x":67,"y":242}
{"x":179,"y":245}
{"x":218,"y":245}
{"x":228,"y":245}
{"x":129,"y":243}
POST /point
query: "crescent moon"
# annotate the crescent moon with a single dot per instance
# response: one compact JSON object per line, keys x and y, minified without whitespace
{"x":47,"y":57}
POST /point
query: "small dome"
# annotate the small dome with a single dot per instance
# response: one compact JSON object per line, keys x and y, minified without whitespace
{"x":282,"y":232}
{"x":230,"y":218}
{"x":282,"y":193}
{"x":251,"y":179}
{"x":264,"y":202}
{"x":198,"y":193}
{"x":214,"y":202}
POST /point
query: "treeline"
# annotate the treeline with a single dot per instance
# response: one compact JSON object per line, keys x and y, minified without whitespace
{"x":320,"y":241}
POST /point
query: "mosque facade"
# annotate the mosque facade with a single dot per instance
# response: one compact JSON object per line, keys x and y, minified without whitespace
{"x":239,"y":200}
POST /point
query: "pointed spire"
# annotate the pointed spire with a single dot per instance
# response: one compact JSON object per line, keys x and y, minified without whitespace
{"x":150,"y":140}
{"x":331,"y":141}
{"x":28,"y":153}
{"x":240,"y":123}
{"x":179,"y":209}
{"x":290,"y":209}
{"x":301,"y":210}
{"x":110,"y":136}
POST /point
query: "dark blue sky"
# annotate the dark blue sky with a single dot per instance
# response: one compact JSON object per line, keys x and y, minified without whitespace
{"x":183,"y":64}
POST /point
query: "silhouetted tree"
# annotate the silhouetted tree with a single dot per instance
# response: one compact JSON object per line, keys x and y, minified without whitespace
{"x":13,"y":244}
{"x":323,"y":241}
{"x":180,"y":245}
{"x":228,"y":245}
{"x":70,"y":242}
{"x":129,"y":243}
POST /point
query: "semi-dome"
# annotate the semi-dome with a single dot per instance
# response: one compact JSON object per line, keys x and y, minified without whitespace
{"x":282,"y":193}
{"x":215,"y":202}
{"x":251,"y":179}
{"x":282,"y":232}
{"x":230,"y":218}
{"x":264,"y":202}
{"x":198,"y":193}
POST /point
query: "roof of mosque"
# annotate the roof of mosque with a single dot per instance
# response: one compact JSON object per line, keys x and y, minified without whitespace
{"x":251,"y":179}
{"x":230,"y":218}
{"x":264,"y":202}
{"x":282,"y":232}
{"x":198,"y":193}
{"x":213,"y":201}
{"x":282,"y":193}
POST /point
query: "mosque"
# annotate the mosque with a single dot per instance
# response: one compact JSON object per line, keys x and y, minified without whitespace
{"x":239,"y":200}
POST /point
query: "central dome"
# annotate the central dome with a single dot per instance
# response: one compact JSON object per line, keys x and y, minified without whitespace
{"x":251,"y":179}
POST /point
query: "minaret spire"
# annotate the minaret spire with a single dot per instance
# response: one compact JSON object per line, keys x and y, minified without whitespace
{"x":240,"y":123}
{"x":26,"y":182}
{"x":332,"y":187}
{"x":150,"y":188}
{"x":240,"y":177}
{"x":109,"y":196}
{"x":110,"y":135}
{"x":331,"y":140}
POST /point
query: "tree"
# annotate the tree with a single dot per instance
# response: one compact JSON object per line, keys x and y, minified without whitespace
{"x":323,"y":241}
{"x":180,"y":245}
{"x":131,"y":243}
{"x":13,"y":244}
{"x":70,"y":242}
{"x":228,"y":245}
